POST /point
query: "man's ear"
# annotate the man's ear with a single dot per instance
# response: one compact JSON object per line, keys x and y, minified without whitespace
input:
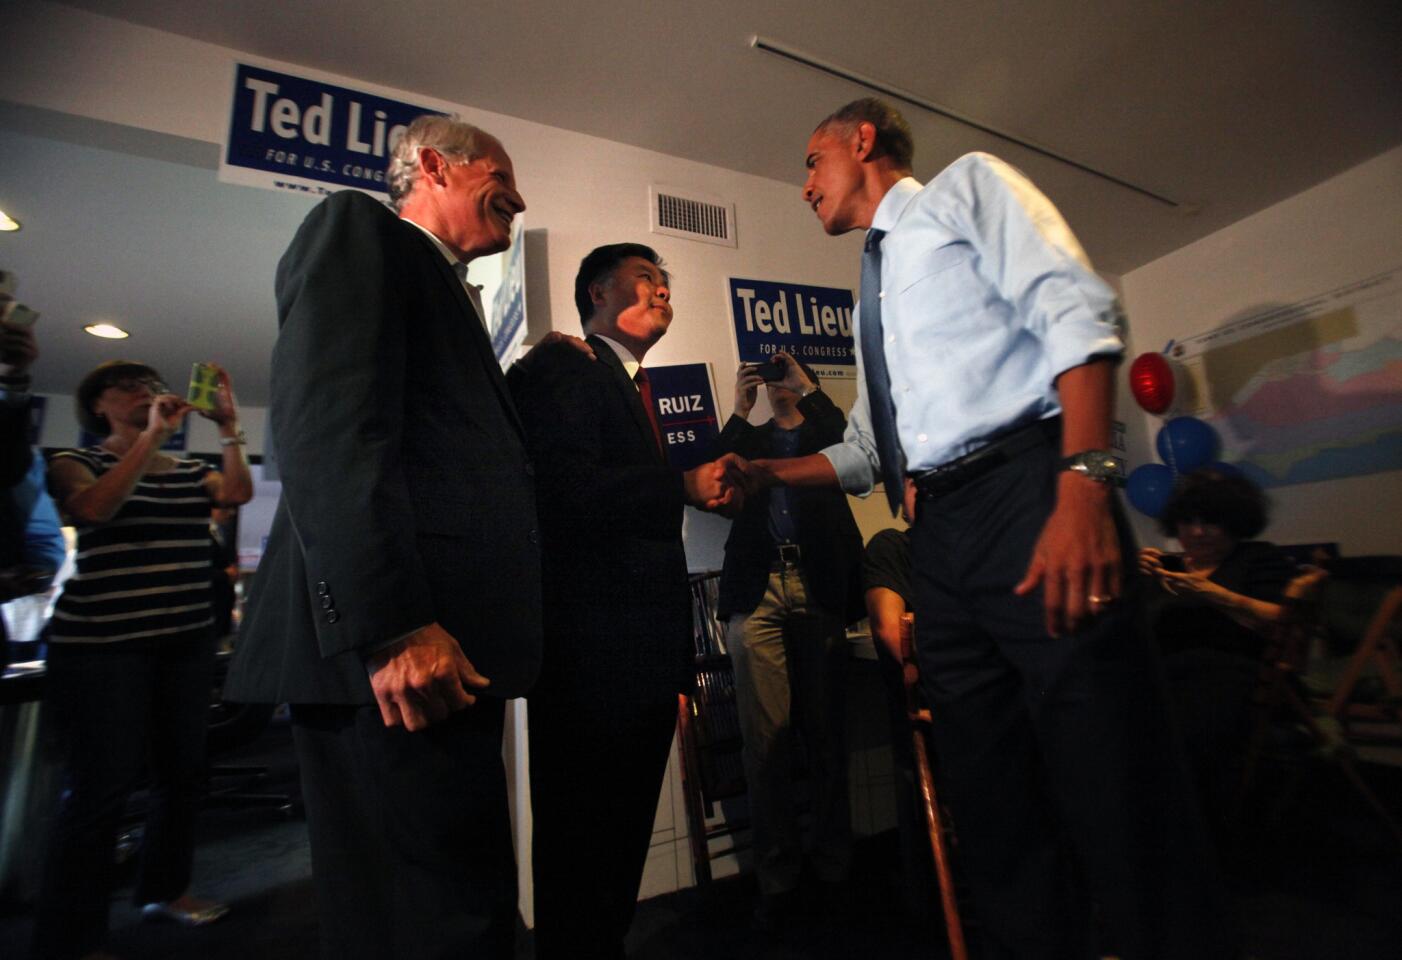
{"x":596,"y":292}
{"x":864,"y":140}
{"x":433,"y":165}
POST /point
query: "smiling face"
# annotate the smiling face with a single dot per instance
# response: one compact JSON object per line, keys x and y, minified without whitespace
{"x":633,"y":304}
{"x":835,"y":187}
{"x":479,"y":201}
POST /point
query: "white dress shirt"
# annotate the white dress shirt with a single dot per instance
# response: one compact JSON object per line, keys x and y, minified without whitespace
{"x":987,"y":297}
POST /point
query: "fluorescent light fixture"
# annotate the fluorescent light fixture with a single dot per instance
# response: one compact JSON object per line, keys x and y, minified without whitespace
{"x":107,"y":331}
{"x":8,"y":224}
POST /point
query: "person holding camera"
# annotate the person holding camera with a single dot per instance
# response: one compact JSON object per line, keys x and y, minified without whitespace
{"x":131,"y":649}
{"x":790,"y":569}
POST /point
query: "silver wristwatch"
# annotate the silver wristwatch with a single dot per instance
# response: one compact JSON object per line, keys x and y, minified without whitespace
{"x":1101,"y":466}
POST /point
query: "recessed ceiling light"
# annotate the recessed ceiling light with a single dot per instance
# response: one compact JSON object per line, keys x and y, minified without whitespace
{"x":106,"y":331}
{"x":8,"y":224}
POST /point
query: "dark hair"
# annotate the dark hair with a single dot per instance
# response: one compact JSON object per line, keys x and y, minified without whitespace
{"x":600,"y":262}
{"x":893,"y":136}
{"x":1227,"y":500}
{"x":102,"y":377}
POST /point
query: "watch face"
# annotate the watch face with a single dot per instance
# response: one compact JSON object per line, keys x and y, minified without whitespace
{"x":1098,"y":464}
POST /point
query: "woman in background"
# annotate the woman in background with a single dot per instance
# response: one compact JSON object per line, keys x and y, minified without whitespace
{"x":1211,"y":609}
{"x":131,"y":649}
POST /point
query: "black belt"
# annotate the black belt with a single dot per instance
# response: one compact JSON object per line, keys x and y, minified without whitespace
{"x":787,"y":553}
{"x":948,"y":477}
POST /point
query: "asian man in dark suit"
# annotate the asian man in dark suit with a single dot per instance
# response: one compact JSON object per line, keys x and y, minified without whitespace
{"x":397,"y":604}
{"x":617,"y":606}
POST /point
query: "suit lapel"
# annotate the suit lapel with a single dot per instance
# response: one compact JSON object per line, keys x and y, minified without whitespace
{"x":476,"y":330}
{"x":629,"y":391}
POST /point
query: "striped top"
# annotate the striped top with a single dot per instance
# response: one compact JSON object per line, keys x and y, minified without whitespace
{"x":147,"y":571}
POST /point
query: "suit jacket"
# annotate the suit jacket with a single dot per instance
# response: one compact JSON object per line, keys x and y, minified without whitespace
{"x":610,"y":512}
{"x":828,"y":538}
{"x":408,"y":496}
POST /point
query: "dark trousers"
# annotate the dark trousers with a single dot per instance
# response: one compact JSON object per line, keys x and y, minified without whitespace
{"x":410,"y":833}
{"x":121,"y":709}
{"x":600,"y":738}
{"x":1066,"y":784}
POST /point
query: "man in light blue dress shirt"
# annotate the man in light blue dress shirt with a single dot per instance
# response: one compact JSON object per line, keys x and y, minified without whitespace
{"x":986,"y":352}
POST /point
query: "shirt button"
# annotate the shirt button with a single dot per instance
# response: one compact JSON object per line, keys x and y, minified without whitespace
{"x":332,"y":616}
{"x":881,"y":295}
{"x":922,"y":437}
{"x":891,"y":338}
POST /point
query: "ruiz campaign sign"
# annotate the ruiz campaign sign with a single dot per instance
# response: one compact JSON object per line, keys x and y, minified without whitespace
{"x":812,"y":324}
{"x":289,"y":132}
{"x":686,"y":412}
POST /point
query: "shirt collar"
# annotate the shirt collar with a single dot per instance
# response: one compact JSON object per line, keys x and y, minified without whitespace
{"x":889,"y":210}
{"x":448,"y":255}
{"x":459,"y":267}
{"x":625,"y":356}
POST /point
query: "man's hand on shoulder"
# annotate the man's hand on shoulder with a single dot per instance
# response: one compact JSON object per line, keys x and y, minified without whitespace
{"x":1077,"y":557}
{"x":423,"y":678}
{"x":554,"y":340}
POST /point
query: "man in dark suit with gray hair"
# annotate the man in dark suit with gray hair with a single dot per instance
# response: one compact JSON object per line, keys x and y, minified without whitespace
{"x":397,"y":606}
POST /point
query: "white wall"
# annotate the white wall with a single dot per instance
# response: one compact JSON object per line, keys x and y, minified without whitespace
{"x":1342,"y":230}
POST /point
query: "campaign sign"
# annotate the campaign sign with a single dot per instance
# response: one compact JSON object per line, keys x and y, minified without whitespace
{"x":686,"y":412}
{"x":812,"y":324}
{"x":509,"y":304}
{"x":292,"y":133}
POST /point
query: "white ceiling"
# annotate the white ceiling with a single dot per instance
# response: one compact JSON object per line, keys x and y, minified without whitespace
{"x":1227,"y":107}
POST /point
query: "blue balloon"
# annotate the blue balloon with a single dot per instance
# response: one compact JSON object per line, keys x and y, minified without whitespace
{"x":1149,"y":488}
{"x":1186,"y":443}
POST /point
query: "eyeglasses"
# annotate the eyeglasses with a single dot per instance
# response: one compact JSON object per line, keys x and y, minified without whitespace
{"x":135,"y":384}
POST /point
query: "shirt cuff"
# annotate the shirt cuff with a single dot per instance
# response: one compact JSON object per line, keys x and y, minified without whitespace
{"x":855,"y":473}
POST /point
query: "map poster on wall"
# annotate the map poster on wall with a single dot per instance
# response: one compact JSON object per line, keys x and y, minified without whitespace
{"x":685,"y":402}
{"x":1307,"y":391}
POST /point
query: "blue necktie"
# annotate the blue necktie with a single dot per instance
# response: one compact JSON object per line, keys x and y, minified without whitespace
{"x":883,"y":410}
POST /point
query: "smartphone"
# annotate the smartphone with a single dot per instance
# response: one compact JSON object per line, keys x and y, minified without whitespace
{"x":1172,"y":562}
{"x":769,"y":371}
{"x":17,"y":316}
{"x":204,"y":387}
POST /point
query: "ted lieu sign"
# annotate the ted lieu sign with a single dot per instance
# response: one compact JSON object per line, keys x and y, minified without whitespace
{"x":812,"y":324}
{"x":292,"y":133}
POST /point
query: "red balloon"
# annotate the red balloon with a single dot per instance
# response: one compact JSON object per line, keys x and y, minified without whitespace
{"x":1151,"y":382}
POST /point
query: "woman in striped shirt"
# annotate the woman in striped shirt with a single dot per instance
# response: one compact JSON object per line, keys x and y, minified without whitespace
{"x":131,"y":648}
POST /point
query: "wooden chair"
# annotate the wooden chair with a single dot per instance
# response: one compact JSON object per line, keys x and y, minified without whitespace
{"x":938,"y":831}
{"x":1316,"y":601}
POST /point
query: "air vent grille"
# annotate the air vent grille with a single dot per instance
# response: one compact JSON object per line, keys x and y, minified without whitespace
{"x":679,"y":213}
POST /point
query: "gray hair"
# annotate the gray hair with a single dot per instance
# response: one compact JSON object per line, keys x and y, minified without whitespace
{"x":454,"y":138}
